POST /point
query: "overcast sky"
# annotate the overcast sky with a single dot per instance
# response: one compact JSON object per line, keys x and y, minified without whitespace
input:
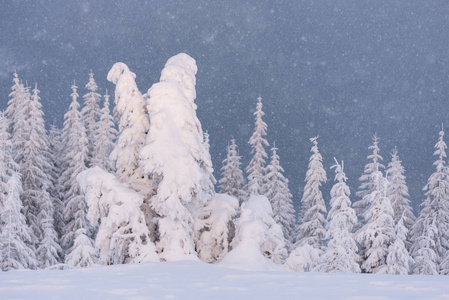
{"x":342,"y":70}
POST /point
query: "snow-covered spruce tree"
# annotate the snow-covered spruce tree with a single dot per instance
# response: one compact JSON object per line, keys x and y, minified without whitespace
{"x":104,"y":137}
{"x":56,"y":161}
{"x":378,"y":232}
{"x":435,"y":211}
{"x":214,"y":241}
{"x":175,"y":153}
{"x":123,"y":236}
{"x":133,"y":128}
{"x":258,"y":243}
{"x":256,"y":167}
{"x":16,"y":108}
{"x":399,"y":260}
{"x":277,"y":191}
{"x":91,"y":116}
{"x":312,"y":226}
{"x":341,"y":252}
{"x":232,"y":180}
{"x":366,"y":181}
{"x":16,"y":235}
{"x":398,"y":195}
{"x":82,"y":254}
{"x":37,"y":184}
{"x":426,"y":259}
{"x":75,"y":155}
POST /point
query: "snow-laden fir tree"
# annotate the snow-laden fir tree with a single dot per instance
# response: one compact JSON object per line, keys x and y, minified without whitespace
{"x":83,"y":253}
{"x":232,"y":180}
{"x":15,"y":111}
{"x":16,"y":250}
{"x":175,"y":153}
{"x":398,"y":195}
{"x":256,"y":167}
{"x":56,"y":161}
{"x":104,"y":137}
{"x":36,"y":169}
{"x":398,"y":260}
{"x":214,"y":241}
{"x":91,"y":116}
{"x":277,"y":191}
{"x":123,"y":236}
{"x":366,"y":181}
{"x":312,"y":225}
{"x":435,"y":211}
{"x":133,"y":128}
{"x":16,"y":235}
{"x":426,"y":259}
{"x":76,"y":155}
{"x":341,"y":251}
{"x":378,"y":233}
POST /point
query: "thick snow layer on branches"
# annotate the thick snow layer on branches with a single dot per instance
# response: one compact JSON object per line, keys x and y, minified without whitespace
{"x":123,"y":236}
{"x":259,"y":243}
{"x":175,"y":154}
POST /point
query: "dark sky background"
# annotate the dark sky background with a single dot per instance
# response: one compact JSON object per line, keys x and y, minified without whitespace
{"x":342,"y":70}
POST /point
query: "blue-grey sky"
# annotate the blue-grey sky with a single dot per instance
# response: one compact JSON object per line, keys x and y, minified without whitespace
{"x":342,"y":70}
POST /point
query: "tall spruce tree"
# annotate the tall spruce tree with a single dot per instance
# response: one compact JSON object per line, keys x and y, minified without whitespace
{"x":377,"y":234}
{"x":366,"y":181}
{"x":91,"y":116}
{"x":76,"y":155}
{"x":312,"y":225}
{"x":398,"y":195}
{"x":341,"y":251}
{"x":232,"y":180}
{"x":256,"y":167}
{"x":37,"y":184}
{"x":279,"y":195}
{"x":104,"y":137}
{"x":435,"y":211}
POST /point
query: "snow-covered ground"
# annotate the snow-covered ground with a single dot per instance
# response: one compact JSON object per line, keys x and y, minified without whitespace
{"x":195,"y":280}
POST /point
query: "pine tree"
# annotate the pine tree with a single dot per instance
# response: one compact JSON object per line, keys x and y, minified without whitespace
{"x":91,"y":115}
{"x":311,"y":230}
{"x":16,"y":250}
{"x":278,"y":193}
{"x":133,"y":128}
{"x":398,"y":195}
{"x":175,"y":142}
{"x":82,"y":254}
{"x":232,"y":180}
{"x":398,"y":259}
{"x":256,"y":167}
{"x":435,"y":211}
{"x":341,"y":252}
{"x":15,"y":236}
{"x":37,"y":184}
{"x":104,"y":137}
{"x":56,"y":160}
{"x":76,"y":155}
{"x":378,"y":233}
{"x":16,"y":107}
{"x":426,"y":259}
{"x":366,"y":181}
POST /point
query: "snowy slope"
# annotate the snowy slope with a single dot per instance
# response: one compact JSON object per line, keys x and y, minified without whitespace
{"x":195,"y":280}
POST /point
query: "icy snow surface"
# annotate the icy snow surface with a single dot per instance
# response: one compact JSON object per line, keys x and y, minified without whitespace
{"x":196,"y":280}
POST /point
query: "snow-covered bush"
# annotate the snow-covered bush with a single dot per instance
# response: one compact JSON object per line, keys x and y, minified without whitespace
{"x":123,"y":236}
{"x":215,"y":238}
{"x":259,"y":242}
{"x":303,"y":258}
